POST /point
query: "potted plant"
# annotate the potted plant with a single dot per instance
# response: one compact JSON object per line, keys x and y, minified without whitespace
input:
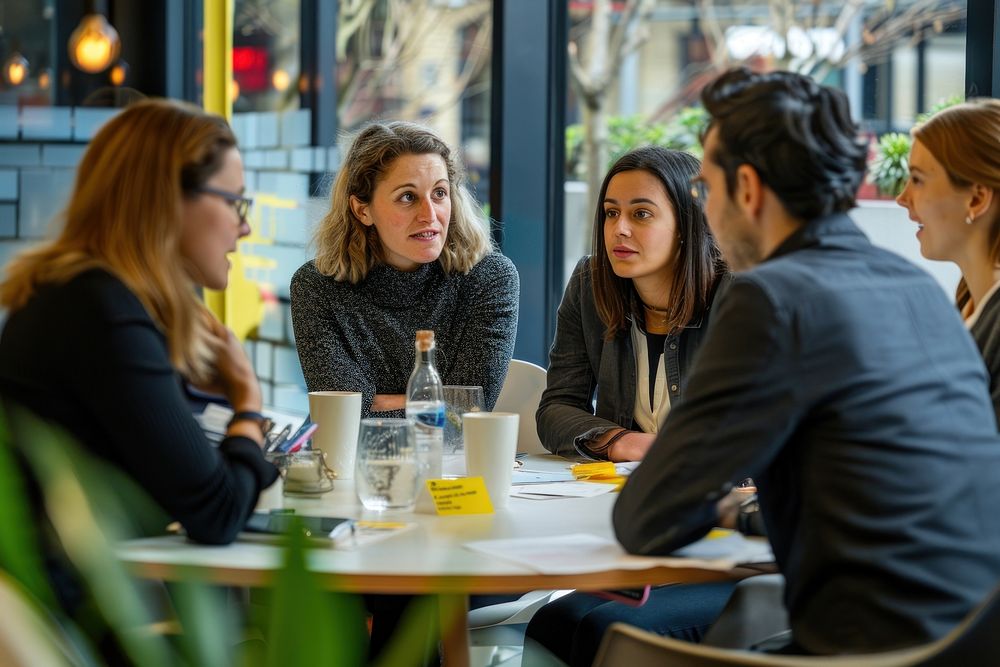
{"x":890,"y":168}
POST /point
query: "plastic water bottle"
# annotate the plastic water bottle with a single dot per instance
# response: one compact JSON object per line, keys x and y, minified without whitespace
{"x":425,"y":407}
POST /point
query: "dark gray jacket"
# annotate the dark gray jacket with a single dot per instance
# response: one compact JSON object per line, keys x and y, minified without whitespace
{"x":581,"y":363}
{"x":840,"y":377}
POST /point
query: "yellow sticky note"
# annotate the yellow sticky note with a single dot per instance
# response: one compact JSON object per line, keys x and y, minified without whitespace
{"x":617,"y":480}
{"x":716,"y":533}
{"x":381,"y":525}
{"x":599,"y":470}
{"x":466,"y":495}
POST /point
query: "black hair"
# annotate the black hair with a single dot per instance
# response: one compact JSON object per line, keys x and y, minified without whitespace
{"x":797,"y":135}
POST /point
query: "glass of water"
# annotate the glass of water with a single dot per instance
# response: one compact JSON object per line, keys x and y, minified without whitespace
{"x":457,"y":401}
{"x":386,"y":471}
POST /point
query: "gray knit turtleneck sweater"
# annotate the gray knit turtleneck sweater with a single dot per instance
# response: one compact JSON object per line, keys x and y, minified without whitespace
{"x":360,"y":337}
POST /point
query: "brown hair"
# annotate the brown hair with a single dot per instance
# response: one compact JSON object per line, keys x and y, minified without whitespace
{"x":346,"y":249}
{"x":965,"y":139}
{"x":124,"y":216}
{"x":699,"y":261}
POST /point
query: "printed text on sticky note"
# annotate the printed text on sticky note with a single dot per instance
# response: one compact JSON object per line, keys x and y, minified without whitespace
{"x":466,"y":495}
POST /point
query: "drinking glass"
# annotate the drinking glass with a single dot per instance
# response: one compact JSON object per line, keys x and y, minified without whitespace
{"x":457,"y":401}
{"x":386,"y":471}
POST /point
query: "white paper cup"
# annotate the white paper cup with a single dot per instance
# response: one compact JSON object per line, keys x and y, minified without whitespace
{"x":338,"y":415}
{"x":490,"y":447}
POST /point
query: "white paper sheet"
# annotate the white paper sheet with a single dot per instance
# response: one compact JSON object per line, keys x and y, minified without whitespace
{"x":625,"y":468}
{"x":519,"y":477}
{"x":561,"y":490}
{"x":580,"y":553}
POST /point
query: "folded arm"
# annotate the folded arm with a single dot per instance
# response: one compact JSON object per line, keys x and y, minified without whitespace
{"x":739,"y":411}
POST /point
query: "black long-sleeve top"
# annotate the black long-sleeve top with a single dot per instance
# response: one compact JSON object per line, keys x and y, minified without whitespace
{"x":86,"y":356}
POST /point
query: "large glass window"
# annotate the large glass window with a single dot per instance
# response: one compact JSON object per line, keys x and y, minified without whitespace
{"x":422,"y":60}
{"x":640,"y":84}
{"x":266,"y":55}
{"x":426,"y":61}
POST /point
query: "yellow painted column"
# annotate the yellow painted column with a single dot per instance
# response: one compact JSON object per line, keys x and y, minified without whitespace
{"x":218,"y":57}
{"x":217,"y":68}
{"x":239,"y":307}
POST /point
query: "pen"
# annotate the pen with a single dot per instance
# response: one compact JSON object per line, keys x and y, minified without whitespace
{"x":297,"y":443}
{"x":301,"y":429}
{"x":279,"y":439}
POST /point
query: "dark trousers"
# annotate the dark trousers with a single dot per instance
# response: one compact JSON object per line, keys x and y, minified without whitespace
{"x":572,"y":627}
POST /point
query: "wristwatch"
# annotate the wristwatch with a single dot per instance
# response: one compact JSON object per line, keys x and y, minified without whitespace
{"x":250,"y":416}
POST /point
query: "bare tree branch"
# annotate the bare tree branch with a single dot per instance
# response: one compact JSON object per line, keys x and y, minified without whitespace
{"x":719,"y":51}
{"x":629,"y":35}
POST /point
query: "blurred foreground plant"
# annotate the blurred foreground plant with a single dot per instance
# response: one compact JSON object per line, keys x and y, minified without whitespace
{"x":90,"y":506}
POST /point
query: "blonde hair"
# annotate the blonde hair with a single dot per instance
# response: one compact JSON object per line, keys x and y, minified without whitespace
{"x":965,"y":139}
{"x":346,"y":249}
{"x":124,"y":216}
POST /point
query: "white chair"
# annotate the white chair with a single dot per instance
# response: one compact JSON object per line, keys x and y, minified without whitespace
{"x":522,"y":390}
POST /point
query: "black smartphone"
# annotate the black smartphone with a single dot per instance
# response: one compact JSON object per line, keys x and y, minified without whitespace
{"x":280,"y":522}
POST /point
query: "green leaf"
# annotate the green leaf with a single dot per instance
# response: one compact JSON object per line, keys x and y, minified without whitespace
{"x":17,"y":533}
{"x":309,"y":625}
{"x":890,"y":169}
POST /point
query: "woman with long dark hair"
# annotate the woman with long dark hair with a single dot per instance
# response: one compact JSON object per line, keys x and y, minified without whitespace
{"x":629,"y":327}
{"x":633,"y":313}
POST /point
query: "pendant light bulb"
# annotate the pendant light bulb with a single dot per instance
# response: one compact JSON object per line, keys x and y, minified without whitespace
{"x":94,"y":45}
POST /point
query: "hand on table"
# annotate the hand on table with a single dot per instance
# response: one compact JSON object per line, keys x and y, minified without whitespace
{"x":728,"y":507}
{"x":631,"y":447}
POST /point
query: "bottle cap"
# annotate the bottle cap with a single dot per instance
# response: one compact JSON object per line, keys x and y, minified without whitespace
{"x":425,"y":340}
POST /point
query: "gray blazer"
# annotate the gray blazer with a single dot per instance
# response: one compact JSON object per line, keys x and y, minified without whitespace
{"x":581,"y":363}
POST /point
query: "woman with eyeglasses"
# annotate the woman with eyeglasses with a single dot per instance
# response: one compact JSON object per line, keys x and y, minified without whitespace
{"x":105,"y":323}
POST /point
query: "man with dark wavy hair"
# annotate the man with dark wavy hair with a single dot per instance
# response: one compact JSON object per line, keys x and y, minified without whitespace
{"x":840,"y":378}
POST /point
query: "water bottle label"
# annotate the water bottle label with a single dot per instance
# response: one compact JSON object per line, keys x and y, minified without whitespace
{"x":435,"y":419}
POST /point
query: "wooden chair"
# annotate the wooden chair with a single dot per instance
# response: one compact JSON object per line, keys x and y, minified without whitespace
{"x":974,"y":643}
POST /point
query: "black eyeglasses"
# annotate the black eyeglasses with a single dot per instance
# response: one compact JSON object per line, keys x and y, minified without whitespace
{"x":239,"y":203}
